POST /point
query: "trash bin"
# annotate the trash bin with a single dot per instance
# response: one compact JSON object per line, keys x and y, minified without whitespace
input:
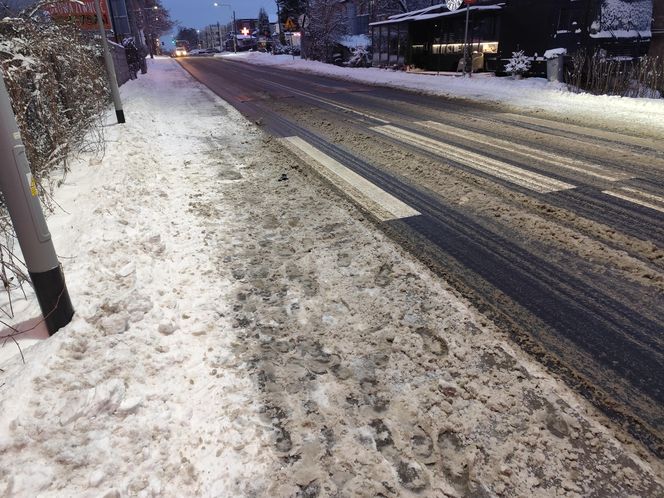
{"x":554,"y":68}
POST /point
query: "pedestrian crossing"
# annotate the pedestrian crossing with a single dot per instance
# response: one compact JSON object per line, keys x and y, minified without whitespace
{"x":384,"y":206}
{"x":540,"y":156}
{"x":639,"y":197}
{"x":493,"y":167}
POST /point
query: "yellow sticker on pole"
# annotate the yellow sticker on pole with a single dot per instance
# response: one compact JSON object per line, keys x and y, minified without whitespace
{"x":33,"y":184}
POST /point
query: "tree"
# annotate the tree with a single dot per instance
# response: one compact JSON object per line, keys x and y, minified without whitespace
{"x":263,"y":22}
{"x":385,"y":8}
{"x":159,"y":19}
{"x":323,"y":25}
{"x":190,"y":35}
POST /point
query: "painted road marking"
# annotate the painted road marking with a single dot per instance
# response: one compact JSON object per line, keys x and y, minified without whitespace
{"x":493,"y":167}
{"x":381,"y":204}
{"x":328,"y":102}
{"x":638,"y":197}
{"x":576,"y":165}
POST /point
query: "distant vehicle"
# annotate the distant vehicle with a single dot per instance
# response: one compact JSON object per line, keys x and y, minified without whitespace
{"x":181,"y":48}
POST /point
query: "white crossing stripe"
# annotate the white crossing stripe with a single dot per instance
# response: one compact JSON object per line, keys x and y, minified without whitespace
{"x":328,"y":102}
{"x":380,"y":203}
{"x":578,"y":166}
{"x":638,"y":197}
{"x":493,"y":167}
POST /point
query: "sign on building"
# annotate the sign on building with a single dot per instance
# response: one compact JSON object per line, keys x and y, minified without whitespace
{"x":81,"y":14}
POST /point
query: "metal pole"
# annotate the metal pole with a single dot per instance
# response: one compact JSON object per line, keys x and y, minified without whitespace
{"x":234,"y":34}
{"x":20,"y":195}
{"x":465,"y":45}
{"x":220,"y":39}
{"x":110,"y":67}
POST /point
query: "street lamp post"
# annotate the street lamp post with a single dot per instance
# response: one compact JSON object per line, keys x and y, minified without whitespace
{"x":21,"y":199}
{"x":234,"y":26}
{"x":467,"y":68}
{"x":110,"y":66}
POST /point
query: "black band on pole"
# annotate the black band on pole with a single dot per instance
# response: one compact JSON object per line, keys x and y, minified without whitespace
{"x":120,"y":115}
{"x":51,"y":291}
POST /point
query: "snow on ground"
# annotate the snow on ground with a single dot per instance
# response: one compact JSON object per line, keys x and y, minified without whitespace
{"x":127,"y":397}
{"x":637,"y":116}
{"x":238,"y":334}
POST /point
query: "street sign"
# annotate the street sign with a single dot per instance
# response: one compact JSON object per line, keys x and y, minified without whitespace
{"x":82,"y":14}
{"x":453,"y":5}
{"x":290,"y":25}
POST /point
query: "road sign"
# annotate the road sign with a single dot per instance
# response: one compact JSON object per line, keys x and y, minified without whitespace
{"x":290,"y":25}
{"x":453,"y":5}
{"x":82,"y":14}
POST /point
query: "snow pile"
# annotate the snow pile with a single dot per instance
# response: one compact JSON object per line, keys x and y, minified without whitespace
{"x":552,"y":53}
{"x":355,"y":41}
{"x":141,"y":394}
{"x":631,"y":115}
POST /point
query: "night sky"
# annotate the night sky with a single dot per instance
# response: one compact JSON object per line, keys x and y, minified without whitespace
{"x":199,"y":13}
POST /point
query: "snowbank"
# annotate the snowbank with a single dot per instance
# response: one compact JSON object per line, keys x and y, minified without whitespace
{"x":638,"y":116}
{"x":140,"y":395}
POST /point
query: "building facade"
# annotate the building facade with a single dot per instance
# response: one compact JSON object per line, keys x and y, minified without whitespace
{"x":433,"y":38}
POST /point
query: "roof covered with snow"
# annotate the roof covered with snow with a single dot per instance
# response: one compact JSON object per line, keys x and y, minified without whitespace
{"x":433,"y":12}
{"x":623,"y":19}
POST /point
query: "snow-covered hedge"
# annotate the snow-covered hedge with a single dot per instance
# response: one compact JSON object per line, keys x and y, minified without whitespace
{"x":595,"y":73}
{"x":58,"y":88}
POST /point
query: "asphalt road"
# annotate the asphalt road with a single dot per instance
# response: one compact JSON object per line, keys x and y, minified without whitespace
{"x":554,"y":230}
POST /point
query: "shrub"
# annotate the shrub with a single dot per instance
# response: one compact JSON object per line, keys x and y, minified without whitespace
{"x":518,"y":64}
{"x":601,"y":75}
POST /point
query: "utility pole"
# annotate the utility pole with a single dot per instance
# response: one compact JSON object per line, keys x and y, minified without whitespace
{"x":110,"y":67}
{"x":230,"y":7}
{"x":466,"y":49}
{"x":19,"y":191}
{"x":234,"y":34}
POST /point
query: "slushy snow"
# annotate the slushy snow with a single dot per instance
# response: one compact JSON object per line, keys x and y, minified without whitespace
{"x":238,"y":335}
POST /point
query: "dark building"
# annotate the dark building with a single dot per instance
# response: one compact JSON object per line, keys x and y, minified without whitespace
{"x":432,"y":38}
{"x":657,"y":42}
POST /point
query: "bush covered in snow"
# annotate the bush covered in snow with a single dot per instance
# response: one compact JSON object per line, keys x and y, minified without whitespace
{"x":595,"y":73}
{"x":518,"y":64}
{"x":360,"y":57}
{"x":58,"y":87}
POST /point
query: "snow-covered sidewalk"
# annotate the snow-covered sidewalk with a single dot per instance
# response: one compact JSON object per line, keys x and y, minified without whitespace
{"x":242,"y":334}
{"x":635,"y":116}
